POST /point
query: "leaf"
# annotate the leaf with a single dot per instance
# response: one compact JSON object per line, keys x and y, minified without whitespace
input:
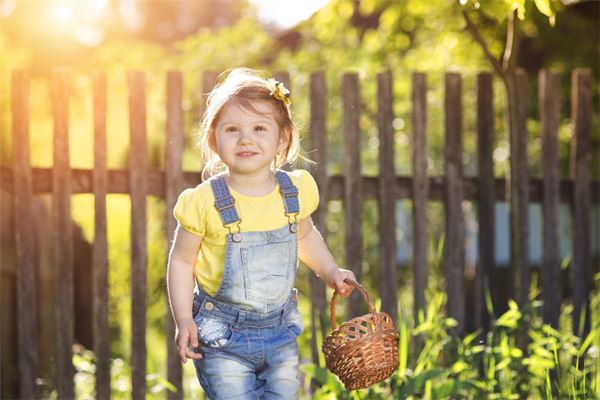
{"x":545,"y":7}
{"x":451,"y":323}
{"x":544,"y":353}
{"x":453,"y":389}
{"x":509,"y":319}
{"x":518,"y":5}
{"x":516,"y":353}
{"x":469,"y":338}
{"x":477,"y":349}
{"x":586,"y":343}
{"x":416,"y":383}
{"x":549,"y":330}
{"x":319,"y":374}
{"x":503,"y":364}
{"x":459,"y":366}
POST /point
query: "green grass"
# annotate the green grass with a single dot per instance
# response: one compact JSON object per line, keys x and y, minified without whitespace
{"x":556,"y":364}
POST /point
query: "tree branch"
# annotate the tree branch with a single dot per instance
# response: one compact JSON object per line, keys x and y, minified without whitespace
{"x":512,"y":42}
{"x":479,"y":39}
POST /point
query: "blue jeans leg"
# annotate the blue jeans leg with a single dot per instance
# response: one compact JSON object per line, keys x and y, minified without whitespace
{"x":224,"y":378}
{"x":279,"y":377}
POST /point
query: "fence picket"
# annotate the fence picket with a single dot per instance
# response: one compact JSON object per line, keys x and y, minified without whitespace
{"x":318,"y":143}
{"x":454,"y":248}
{"x":420,"y":190}
{"x":518,"y":193}
{"x":138,"y":187}
{"x":549,"y":104}
{"x":352,"y":185}
{"x":388,"y":285}
{"x":27,"y":314}
{"x":581,"y":114}
{"x":100,"y":245}
{"x":580,"y":192}
{"x":173,"y":186}
{"x":62,"y":238}
{"x":209,"y":80}
{"x":486,"y":197}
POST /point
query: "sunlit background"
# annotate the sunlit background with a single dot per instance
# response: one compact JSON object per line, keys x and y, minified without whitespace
{"x":365,"y":37}
{"x":62,"y":25}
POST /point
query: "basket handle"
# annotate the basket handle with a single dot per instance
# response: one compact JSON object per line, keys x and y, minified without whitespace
{"x":362,"y":291}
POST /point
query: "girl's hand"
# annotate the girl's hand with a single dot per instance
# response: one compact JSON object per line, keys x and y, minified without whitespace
{"x":336,"y":281}
{"x":186,"y":335}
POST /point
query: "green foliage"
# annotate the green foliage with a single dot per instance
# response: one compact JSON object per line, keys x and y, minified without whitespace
{"x":120,"y":375}
{"x":557,"y":364}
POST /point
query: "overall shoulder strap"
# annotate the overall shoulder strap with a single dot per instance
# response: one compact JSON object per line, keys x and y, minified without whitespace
{"x":224,"y":201}
{"x":289,"y":192}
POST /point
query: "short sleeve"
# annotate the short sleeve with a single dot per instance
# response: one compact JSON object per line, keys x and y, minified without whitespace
{"x":190,"y":212}
{"x":309,"y":193}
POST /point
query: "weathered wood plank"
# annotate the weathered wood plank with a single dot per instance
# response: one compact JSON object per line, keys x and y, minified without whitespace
{"x":62,"y":238}
{"x":581,"y":114}
{"x":173,"y":186}
{"x":454,"y":248}
{"x":486,"y":199}
{"x":318,"y":144}
{"x":388,"y":284}
{"x":420,"y":190}
{"x":118,"y":183}
{"x":352,"y":185}
{"x":100,"y":247}
{"x":138,"y":186}
{"x":549,"y":104}
{"x":27,"y":315}
{"x":209,"y":80}
{"x":519,"y":194}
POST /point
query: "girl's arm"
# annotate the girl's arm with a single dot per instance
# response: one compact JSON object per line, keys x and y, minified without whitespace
{"x":180,"y":284}
{"x":313,"y":251}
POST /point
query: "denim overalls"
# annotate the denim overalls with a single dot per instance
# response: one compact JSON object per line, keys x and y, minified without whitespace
{"x":248,"y":329}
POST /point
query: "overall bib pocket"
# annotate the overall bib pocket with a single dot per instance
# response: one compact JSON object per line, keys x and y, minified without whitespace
{"x":267,"y":275}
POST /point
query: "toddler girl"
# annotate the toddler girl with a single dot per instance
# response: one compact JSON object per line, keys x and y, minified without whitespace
{"x":240,"y":233}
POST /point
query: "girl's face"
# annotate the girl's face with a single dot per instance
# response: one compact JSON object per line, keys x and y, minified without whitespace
{"x":247,"y":142}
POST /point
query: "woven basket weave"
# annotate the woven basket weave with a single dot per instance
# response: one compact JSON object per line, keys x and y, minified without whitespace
{"x":364,"y":350}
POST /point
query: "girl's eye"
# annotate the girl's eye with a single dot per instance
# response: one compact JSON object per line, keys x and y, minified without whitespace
{"x":231,"y":129}
{"x":259,"y":128}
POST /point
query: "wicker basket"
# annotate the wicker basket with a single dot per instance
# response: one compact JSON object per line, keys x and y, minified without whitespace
{"x":364,"y":350}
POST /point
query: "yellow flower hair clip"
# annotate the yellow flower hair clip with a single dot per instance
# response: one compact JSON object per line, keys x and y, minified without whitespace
{"x":279,"y":91}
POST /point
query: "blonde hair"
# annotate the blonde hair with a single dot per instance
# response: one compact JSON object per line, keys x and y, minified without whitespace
{"x":245,"y":87}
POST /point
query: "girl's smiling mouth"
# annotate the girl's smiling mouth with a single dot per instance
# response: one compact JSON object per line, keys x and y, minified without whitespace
{"x":246,"y":154}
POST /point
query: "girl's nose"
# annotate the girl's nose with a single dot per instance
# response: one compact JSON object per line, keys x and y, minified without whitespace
{"x":245,"y":137}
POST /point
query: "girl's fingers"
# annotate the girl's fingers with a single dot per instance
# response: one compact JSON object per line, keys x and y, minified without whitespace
{"x":345,"y":289}
{"x":183,"y":344}
{"x":194,"y":337}
{"x":191,"y":354}
{"x":186,"y":339}
{"x":345,"y":286}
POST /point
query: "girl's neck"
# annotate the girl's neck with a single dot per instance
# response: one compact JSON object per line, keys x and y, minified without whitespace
{"x":258,"y":184}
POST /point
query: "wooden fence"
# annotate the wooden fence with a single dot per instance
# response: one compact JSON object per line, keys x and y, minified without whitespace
{"x":22,"y":182}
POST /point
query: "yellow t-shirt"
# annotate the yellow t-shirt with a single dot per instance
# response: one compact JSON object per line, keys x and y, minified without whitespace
{"x":196,"y":213}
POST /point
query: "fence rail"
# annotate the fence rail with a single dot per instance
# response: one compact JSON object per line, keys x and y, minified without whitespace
{"x":20,"y":182}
